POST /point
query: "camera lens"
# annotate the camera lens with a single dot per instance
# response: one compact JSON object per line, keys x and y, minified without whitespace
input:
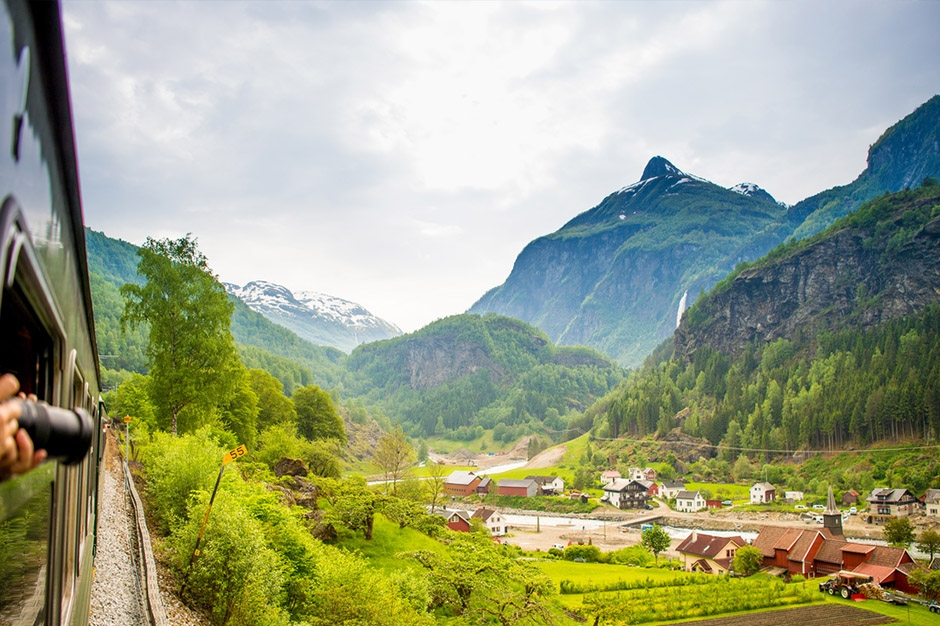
{"x":63,"y":434}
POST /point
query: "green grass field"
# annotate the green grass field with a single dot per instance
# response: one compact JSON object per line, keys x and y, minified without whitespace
{"x":599,"y":573}
{"x":387,"y":541}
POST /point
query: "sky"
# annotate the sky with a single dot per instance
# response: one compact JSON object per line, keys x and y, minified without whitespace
{"x":402,"y":154}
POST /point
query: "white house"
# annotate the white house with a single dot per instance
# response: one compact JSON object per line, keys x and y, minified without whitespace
{"x":762,"y":493}
{"x":932,"y":502}
{"x":669,"y":489}
{"x":793,"y":496}
{"x":638,"y":473}
{"x":609,"y":476}
{"x":690,"y":501}
{"x":492,"y":519}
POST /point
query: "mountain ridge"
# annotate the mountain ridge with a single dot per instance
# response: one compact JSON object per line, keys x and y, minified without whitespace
{"x":316,"y":317}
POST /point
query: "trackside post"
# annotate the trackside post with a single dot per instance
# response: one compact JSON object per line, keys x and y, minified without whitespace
{"x":230,"y":456}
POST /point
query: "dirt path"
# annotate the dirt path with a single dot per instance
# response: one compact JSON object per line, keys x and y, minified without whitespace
{"x":547,"y":458}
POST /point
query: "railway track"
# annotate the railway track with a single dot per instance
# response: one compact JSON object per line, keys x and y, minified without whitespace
{"x":127,"y":590}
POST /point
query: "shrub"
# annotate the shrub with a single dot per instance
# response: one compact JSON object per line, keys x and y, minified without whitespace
{"x":591,"y":554}
{"x":177,"y":467}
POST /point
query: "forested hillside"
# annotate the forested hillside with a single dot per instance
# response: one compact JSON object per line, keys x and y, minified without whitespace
{"x":466,"y":373}
{"x":455,"y":378}
{"x":851,"y":374}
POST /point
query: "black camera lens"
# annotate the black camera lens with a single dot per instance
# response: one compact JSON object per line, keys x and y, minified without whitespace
{"x":63,"y":434}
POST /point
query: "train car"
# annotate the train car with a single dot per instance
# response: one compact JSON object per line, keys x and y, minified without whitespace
{"x":47,"y":337}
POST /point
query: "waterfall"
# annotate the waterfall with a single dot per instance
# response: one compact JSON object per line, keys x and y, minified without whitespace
{"x":682,"y":305}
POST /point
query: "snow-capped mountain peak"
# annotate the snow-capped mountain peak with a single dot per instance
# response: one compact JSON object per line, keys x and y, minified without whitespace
{"x":316,"y":317}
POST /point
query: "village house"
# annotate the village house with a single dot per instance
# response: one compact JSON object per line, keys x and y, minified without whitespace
{"x":762,"y":493}
{"x":638,"y":473}
{"x":651,"y":488}
{"x":461,"y":483}
{"x":850,"y":497}
{"x":609,"y":476}
{"x":886,"y":504}
{"x":690,"y":501}
{"x":932,"y":502}
{"x":626,"y":494}
{"x":668,"y":490}
{"x":793,"y":496}
{"x":707,"y":553}
{"x":458,"y":520}
{"x":493,"y":521}
{"x":512,"y":487}
{"x":549,"y":485}
{"x":484,"y":487}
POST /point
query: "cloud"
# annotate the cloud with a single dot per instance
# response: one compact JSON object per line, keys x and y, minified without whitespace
{"x":402,"y":154}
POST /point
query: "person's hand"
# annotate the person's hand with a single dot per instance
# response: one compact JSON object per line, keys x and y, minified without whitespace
{"x":16,"y":448}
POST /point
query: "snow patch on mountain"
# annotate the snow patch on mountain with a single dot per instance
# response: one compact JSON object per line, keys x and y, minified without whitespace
{"x":317,"y":317}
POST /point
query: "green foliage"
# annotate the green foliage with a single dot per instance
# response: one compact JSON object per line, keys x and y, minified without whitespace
{"x":747,"y":560}
{"x":684,"y":601}
{"x":927,"y":580}
{"x":929,"y":542}
{"x":393,"y":455}
{"x":317,"y":417}
{"x":178,"y":467}
{"x":655,"y":540}
{"x":237,"y":577}
{"x":899,"y":532}
{"x":588,"y":553}
{"x":477,"y":577}
{"x":274,"y":408}
{"x":191,"y":353}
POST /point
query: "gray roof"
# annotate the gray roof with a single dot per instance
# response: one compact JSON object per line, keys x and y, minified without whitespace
{"x":461,"y":477}
{"x":687,"y":495}
{"x":511,"y":482}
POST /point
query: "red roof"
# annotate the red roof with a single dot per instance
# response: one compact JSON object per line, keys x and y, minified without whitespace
{"x":879,"y":573}
{"x":708,"y":545}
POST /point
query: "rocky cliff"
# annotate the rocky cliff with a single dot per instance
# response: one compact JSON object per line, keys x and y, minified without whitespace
{"x":612,"y":278}
{"x":880,"y":264}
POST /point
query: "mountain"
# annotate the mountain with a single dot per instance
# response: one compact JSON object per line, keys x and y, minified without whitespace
{"x":318,"y":318}
{"x":466,"y":373}
{"x":878,"y":264}
{"x":261,"y":342}
{"x":613,"y":277}
{"x":902,"y":157}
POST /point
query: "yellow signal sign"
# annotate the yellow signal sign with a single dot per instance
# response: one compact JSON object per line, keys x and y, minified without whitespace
{"x":127,"y":419}
{"x":231,"y":455}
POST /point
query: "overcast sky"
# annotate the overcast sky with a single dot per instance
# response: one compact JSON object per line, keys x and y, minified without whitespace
{"x":401,"y":155}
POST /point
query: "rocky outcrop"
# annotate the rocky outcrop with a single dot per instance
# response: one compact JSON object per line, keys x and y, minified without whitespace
{"x":841,"y":280}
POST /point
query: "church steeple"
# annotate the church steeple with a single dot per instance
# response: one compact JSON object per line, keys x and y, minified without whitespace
{"x":832,"y":517}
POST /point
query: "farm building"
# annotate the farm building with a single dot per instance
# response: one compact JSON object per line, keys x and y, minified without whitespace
{"x":549,"y":485}
{"x":461,"y":483}
{"x":818,"y":552}
{"x":484,"y":487}
{"x":609,"y":476}
{"x":512,"y":487}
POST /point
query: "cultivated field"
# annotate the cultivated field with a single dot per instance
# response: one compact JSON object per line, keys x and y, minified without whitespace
{"x":817,"y":615}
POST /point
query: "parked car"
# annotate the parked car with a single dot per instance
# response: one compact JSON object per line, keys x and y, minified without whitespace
{"x":933,"y":607}
{"x":853,"y":511}
{"x":800,"y":507}
{"x":819,"y":507}
{"x":726,"y":503}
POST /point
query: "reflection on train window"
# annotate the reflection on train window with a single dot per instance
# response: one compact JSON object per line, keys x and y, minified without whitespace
{"x":25,"y":501}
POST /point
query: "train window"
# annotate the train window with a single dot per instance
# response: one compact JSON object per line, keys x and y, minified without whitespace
{"x":28,"y":351}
